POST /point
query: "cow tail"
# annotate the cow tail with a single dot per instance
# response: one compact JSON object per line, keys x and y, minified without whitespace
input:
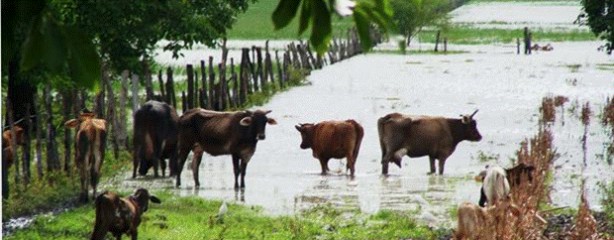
{"x":380,"y":131}
{"x":360,"y":132}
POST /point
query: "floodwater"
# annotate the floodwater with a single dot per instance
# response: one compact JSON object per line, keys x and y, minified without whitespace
{"x":505,"y":87}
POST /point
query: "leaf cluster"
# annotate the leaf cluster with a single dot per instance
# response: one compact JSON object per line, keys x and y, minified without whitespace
{"x":599,"y":16}
{"x":317,"y":14}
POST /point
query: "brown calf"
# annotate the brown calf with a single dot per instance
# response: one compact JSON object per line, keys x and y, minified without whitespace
{"x":120,"y":215}
{"x":8,"y":150}
{"x":89,"y":149}
{"x":332,"y":139}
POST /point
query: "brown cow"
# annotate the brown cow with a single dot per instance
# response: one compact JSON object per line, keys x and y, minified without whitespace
{"x":90,"y":145}
{"x":332,"y":139}
{"x":417,"y":136}
{"x":120,"y":215}
{"x":155,"y":138}
{"x":8,"y":149}
{"x":221,"y":133}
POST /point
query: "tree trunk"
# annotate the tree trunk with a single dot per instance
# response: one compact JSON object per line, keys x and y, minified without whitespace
{"x":39,"y":145}
{"x":122,"y":137}
{"x":52,"y":150}
{"x":68,"y":97}
{"x":27,"y":147}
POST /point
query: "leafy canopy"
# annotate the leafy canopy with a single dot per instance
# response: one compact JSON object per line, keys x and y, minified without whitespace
{"x":317,"y":14}
{"x":600,"y":18}
{"x":410,"y":16}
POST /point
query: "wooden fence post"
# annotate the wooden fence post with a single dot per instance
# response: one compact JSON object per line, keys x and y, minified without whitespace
{"x":190,"y":80}
{"x":527,"y":45}
{"x":204,"y":100}
{"x":39,"y":137}
{"x":212,"y":96}
{"x":52,"y":150}
{"x":147,"y":78}
{"x":68,"y":97}
{"x":235,"y":84}
{"x":279,"y":73}
{"x":135,"y":93}
{"x":244,"y":76}
{"x":196,"y":93}
{"x":254,"y":73}
{"x":170,"y":88}
{"x":260,"y":69}
{"x":445,"y":45}
{"x":122,"y":134}
{"x":222,"y":86}
{"x":184,"y":104}
{"x":161,"y":83}
{"x":111,"y":118}
{"x":437,"y":40}
{"x":27,"y":147}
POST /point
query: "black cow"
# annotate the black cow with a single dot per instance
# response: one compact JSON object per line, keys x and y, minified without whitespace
{"x":155,"y":138}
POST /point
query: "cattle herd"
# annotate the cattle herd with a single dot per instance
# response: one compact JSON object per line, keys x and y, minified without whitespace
{"x":160,"y":134}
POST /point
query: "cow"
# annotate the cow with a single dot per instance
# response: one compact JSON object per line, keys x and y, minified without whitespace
{"x":9,"y":146}
{"x":120,"y":215}
{"x":495,"y":186}
{"x":475,"y":222}
{"x":221,"y":133}
{"x":332,"y":139}
{"x":514,"y":177}
{"x":417,"y":136}
{"x":90,"y":144}
{"x":155,"y":138}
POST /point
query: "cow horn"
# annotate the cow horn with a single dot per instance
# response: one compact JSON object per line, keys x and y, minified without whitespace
{"x":476,"y":111}
{"x":267,"y":112}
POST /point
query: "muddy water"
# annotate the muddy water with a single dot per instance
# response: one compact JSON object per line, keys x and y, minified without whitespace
{"x":506,"y":88}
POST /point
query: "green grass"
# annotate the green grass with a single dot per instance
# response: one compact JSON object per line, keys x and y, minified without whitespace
{"x":194,"y":218}
{"x":256,"y":23}
{"x":54,"y":189}
{"x":463,"y":34}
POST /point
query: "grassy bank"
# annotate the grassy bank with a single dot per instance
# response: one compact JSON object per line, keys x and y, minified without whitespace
{"x":54,"y":189}
{"x":256,"y":23}
{"x":194,"y":218}
{"x":464,"y":34}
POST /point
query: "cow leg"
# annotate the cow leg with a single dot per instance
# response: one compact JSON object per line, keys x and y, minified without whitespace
{"x":243,"y":171}
{"x":442,"y":163}
{"x":432,"y":162}
{"x":198,"y":155}
{"x":157,"y":155}
{"x":235,"y":168}
{"x":384,"y":168}
{"x":95,"y":174}
{"x":324,"y":165}
{"x":184,"y":150}
{"x":135,"y":159}
{"x":163,"y":166}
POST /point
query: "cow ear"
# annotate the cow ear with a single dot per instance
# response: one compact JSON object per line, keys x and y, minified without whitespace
{"x":246,"y":121}
{"x":271,"y":121}
{"x":465,"y":120}
{"x":297,"y":127}
{"x":72,"y":123}
{"x":154,"y":199}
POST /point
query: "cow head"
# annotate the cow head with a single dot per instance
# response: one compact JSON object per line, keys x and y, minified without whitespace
{"x":257,"y":121}
{"x":142,"y":197}
{"x":7,"y":137}
{"x":306,"y":130}
{"x":86,"y":120}
{"x":471,"y":128}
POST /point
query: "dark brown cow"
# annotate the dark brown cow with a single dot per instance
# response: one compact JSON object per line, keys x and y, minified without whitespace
{"x":221,"y":133}
{"x":90,"y":144}
{"x":120,"y":215}
{"x":155,"y":138}
{"x":417,"y":136}
{"x":332,"y":139}
{"x":8,"y":149}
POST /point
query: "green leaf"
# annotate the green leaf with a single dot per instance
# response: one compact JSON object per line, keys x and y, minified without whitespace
{"x":321,"y":31}
{"x":33,"y":46}
{"x":304,"y":18}
{"x":54,"y":54}
{"x":362,"y":25}
{"x":285,"y":12}
{"x":84,"y":62}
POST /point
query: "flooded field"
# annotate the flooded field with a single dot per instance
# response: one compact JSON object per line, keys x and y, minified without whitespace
{"x":505,"y":87}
